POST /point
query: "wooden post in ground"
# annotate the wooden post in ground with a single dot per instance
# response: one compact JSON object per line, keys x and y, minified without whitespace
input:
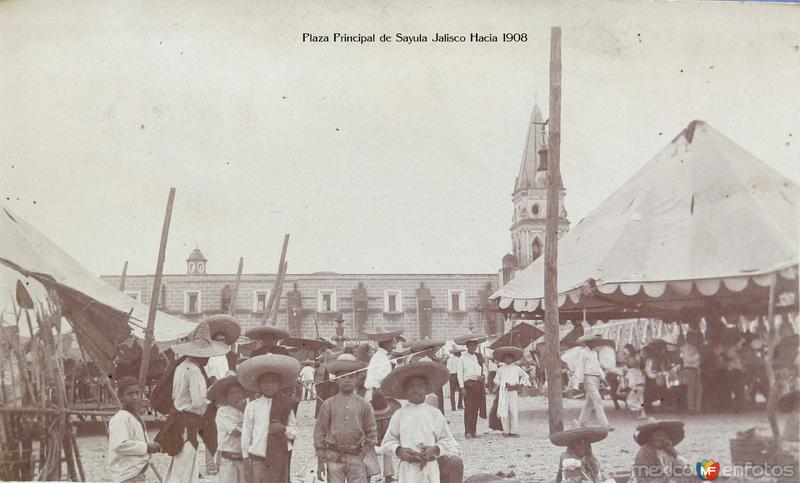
{"x":232,"y":308}
{"x":124,"y":276}
{"x":151,"y":315}
{"x":281,"y":265}
{"x":273,"y":318}
{"x":772,"y":398}
{"x":555,"y":408}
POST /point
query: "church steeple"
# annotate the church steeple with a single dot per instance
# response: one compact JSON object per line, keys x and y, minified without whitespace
{"x":535,"y":142}
{"x":530,"y":196}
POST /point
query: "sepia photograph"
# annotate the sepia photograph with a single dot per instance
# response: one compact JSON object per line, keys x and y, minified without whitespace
{"x":364,"y":241}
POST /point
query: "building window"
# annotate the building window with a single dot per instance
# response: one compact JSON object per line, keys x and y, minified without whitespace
{"x":192,"y":303}
{"x":326,"y":301}
{"x":260,"y":298}
{"x":392,"y":301}
{"x":134,"y":294}
{"x":456,"y":301}
{"x":535,"y":210}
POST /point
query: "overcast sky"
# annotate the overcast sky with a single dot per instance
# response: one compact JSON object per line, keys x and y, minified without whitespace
{"x":377,"y":157}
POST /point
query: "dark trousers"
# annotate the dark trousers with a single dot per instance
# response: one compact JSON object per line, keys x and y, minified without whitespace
{"x":453,"y":389}
{"x":736,"y":385}
{"x":473,"y":396}
{"x":613,"y":383}
{"x":451,"y":469}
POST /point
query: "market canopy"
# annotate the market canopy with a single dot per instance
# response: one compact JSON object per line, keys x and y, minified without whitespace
{"x":100,"y":315}
{"x":704,"y":226}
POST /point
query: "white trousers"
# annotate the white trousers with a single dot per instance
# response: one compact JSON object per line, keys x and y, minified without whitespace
{"x":183,"y":467}
{"x":510,"y":419}
{"x":231,"y":472}
{"x":594,"y":402}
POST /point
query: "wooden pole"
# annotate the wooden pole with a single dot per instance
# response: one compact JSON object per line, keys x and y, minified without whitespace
{"x":273,"y":319}
{"x":281,"y":265}
{"x":232,"y":308}
{"x":151,"y":316}
{"x":124,"y":276}
{"x":555,"y":408}
{"x":772,"y":398}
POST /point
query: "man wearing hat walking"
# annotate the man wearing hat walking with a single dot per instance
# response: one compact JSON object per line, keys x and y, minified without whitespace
{"x":179,"y":435}
{"x":589,"y":373}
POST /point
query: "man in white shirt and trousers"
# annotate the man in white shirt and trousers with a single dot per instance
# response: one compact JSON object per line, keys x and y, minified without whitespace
{"x":380,"y":364}
{"x":589,"y":372}
{"x":470,"y":381}
{"x":189,"y":389}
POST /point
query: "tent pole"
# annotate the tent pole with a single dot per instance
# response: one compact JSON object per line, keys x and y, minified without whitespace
{"x":772,"y":398}
{"x":124,"y":276}
{"x":555,"y":407}
{"x":151,"y":315}
{"x":278,"y":280}
{"x":232,"y":308}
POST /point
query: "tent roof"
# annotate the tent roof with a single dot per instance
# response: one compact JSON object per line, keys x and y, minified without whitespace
{"x":703,"y":218}
{"x":31,"y":253}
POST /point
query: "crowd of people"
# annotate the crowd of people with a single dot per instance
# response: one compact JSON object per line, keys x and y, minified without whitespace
{"x":380,"y":413}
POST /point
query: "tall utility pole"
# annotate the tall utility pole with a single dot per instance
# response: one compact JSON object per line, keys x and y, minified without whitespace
{"x":232,"y":308}
{"x":124,"y":276}
{"x":274,"y":296}
{"x":151,"y":315}
{"x":555,"y":407}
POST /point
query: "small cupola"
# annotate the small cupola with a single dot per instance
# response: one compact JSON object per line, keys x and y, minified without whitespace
{"x":196,"y":263}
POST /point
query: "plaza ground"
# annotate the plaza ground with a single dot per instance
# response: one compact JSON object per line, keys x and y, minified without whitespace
{"x":531,"y":457}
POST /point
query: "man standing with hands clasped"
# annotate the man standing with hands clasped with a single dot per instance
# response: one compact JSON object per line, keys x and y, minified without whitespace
{"x":470,"y":380}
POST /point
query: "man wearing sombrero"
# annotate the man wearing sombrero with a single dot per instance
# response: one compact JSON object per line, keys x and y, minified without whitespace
{"x":657,"y":459}
{"x":510,"y":379}
{"x":226,"y":329}
{"x":452,"y":368}
{"x":179,"y":435}
{"x":589,"y":372}
{"x":578,"y":464}
{"x":380,"y":364}
{"x":470,"y":381}
{"x":418,"y":433}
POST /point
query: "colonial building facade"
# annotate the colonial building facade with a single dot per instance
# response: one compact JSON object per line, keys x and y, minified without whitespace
{"x":438,"y":306}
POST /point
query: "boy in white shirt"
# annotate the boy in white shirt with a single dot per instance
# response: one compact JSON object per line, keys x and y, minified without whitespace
{"x":128,"y":448}
{"x":418,"y":432}
{"x":510,"y":379}
{"x":229,"y":396}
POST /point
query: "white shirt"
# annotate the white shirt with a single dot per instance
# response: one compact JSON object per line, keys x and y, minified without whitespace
{"x":217,"y":366}
{"x":468,"y":368}
{"x":307,"y":374}
{"x":189,"y":388}
{"x":588,"y":365}
{"x":511,"y":374}
{"x":379,"y":366}
{"x":256,"y":424}
{"x":414,"y":425}
{"x":452,"y":364}
{"x":229,"y":418}
{"x":127,"y":446}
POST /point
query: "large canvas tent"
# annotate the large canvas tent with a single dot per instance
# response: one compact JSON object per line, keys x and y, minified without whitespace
{"x":704,"y":227}
{"x":100,"y":315}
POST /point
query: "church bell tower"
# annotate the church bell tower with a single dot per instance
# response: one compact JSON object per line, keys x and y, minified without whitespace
{"x":530,"y":197}
{"x":196,"y":263}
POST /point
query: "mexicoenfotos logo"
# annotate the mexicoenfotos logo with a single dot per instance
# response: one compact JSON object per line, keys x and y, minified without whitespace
{"x":707,"y":469}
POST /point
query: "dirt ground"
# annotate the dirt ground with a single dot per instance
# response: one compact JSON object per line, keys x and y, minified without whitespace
{"x":531,"y":457}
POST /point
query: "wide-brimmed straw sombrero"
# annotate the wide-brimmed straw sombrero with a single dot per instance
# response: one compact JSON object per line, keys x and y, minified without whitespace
{"x":308,"y":362}
{"x":591,"y":434}
{"x":393,"y":384}
{"x":382,"y":334}
{"x":501,"y":352}
{"x":200,"y":344}
{"x":344,"y":364}
{"x":473,"y":338}
{"x":457,"y":350}
{"x":250,"y":370}
{"x":219,"y":389}
{"x":423,"y":345}
{"x":594,"y":340}
{"x":228,"y":325}
{"x":789,"y":402}
{"x":271,"y":334}
{"x":644,"y":432}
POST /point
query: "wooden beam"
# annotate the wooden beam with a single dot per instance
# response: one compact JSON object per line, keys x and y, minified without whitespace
{"x":232,"y":308}
{"x":151,"y":316}
{"x":273,"y":318}
{"x":555,"y":407}
{"x":281,"y":266}
{"x":772,"y":398}
{"x":124,"y":276}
